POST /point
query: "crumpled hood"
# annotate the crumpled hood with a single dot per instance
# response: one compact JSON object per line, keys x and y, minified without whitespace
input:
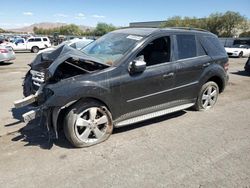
{"x":49,"y":61}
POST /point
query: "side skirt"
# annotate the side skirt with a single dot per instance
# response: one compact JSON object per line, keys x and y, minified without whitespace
{"x":152,"y":115}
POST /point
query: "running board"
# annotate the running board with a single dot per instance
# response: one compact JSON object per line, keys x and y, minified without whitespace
{"x":152,"y":115}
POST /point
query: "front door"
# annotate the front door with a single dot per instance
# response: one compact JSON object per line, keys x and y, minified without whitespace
{"x":145,"y":92}
{"x":20,"y":44}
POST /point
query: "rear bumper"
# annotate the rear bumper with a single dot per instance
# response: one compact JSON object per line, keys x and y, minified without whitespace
{"x":7,"y":58}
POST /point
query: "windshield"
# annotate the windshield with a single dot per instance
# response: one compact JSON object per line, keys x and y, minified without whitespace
{"x":111,"y":47}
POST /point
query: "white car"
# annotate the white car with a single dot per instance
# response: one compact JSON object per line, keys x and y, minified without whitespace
{"x":6,"y":54}
{"x":238,"y":50}
{"x":33,"y":44}
{"x":74,"y":43}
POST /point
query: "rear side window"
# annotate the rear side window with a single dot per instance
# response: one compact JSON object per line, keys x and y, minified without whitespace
{"x":212,"y":46}
{"x":37,"y":40}
{"x":45,"y":39}
{"x":186,"y":46}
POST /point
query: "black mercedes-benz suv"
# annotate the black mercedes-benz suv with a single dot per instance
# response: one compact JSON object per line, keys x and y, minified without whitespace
{"x":126,"y":76}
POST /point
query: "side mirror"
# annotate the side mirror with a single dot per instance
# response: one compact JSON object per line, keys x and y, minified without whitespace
{"x":137,"y":66}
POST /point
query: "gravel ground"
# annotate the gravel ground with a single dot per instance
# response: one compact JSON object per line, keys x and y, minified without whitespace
{"x":184,"y":149}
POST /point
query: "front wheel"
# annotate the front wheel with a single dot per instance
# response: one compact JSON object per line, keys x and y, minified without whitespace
{"x":27,"y":85}
{"x":240,"y":54}
{"x":207,"y":96}
{"x":88,"y":123}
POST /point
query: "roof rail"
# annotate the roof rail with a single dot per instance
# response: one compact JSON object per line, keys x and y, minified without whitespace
{"x":189,"y":28}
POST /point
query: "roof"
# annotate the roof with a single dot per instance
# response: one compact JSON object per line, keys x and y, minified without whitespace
{"x":148,"y":31}
{"x":137,"y":31}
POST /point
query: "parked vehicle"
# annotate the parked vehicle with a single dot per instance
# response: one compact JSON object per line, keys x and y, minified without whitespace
{"x":125,"y":77}
{"x":33,"y":44}
{"x":6,"y":54}
{"x":238,"y":50}
{"x":75,"y":43}
{"x":247,"y":65}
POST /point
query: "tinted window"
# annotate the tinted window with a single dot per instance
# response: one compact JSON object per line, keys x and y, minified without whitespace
{"x":186,"y":46}
{"x":156,"y":52}
{"x":37,"y":40}
{"x":31,"y":40}
{"x":45,"y":39}
{"x":200,"y":49}
{"x":73,"y":45}
{"x":19,"y":41}
{"x":212,"y":46}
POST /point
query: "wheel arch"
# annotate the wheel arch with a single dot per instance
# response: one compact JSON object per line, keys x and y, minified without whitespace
{"x":58,"y":114}
{"x":219,"y":81}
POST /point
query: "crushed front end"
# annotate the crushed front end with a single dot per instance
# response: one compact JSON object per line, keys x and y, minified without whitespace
{"x":54,"y":82}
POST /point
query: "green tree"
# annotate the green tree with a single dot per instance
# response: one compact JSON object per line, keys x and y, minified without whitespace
{"x":231,"y":22}
{"x":103,"y":28}
{"x":226,"y":24}
{"x":214,"y":23}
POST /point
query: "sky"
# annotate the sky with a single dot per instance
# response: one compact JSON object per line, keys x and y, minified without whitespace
{"x":19,"y":13}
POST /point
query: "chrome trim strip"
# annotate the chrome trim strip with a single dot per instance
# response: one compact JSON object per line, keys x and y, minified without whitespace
{"x":153,"y":115}
{"x":164,"y":91}
{"x":190,"y":58}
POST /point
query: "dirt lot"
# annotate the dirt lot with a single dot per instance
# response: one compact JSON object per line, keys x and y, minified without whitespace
{"x":185,"y":149}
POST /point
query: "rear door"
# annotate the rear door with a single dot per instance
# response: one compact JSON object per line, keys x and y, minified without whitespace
{"x":191,"y":61}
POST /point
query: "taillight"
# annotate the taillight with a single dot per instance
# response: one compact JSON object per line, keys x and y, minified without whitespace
{"x":3,"y":51}
{"x":226,"y":66}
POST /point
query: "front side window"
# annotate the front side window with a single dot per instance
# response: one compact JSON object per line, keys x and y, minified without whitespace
{"x":45,"y":39}
{"x":19,"y":41}
{"x":31,"y":40}
{"x":156,"y":52}
{"x":186,"y":46}
{"x":111,"y":47}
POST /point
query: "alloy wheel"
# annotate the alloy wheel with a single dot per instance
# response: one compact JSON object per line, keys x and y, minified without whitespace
{"x":92,"y":125}
{"x":209,"y":97}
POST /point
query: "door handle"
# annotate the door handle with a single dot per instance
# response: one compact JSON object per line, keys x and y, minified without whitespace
{"x":168,"y":75}
{"x":206,"y":64}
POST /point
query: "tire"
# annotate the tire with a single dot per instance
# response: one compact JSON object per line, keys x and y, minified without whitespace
{"x":27,"y":85}
{"x":87,"y":123}
{"x":240,"y":54}
{"x":35,"y":49}
{"x":207,"y":97}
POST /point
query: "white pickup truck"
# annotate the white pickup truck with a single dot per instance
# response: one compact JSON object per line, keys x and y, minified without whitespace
{"x":33,"y":44}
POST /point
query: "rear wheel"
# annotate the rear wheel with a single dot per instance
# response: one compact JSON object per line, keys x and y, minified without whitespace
{"x":35,"y":49}
{"x":207,"y":96}
{"x":88,"y":123}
